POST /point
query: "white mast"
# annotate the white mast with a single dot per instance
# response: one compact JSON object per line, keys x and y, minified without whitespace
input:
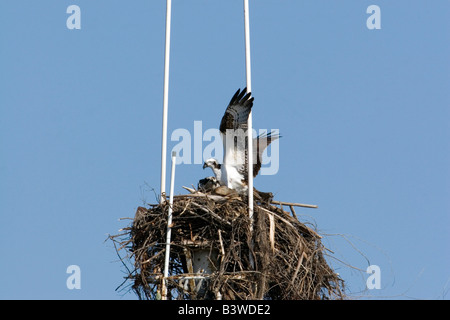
{"x":169,"y":228}
{"x":165,"y":102}
{"x":249,"y":123}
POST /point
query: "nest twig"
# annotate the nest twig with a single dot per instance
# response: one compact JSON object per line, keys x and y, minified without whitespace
{"x":273,"y":256}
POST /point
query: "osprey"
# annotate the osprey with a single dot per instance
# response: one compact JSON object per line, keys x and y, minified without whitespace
{"x":233,"y":172}
{"x":208,"y":184}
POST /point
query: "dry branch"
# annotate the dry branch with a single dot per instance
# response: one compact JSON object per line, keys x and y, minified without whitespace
{"x":295,"y":204}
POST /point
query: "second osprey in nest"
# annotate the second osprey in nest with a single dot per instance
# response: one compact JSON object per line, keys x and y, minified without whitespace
{"x":233,"y":172}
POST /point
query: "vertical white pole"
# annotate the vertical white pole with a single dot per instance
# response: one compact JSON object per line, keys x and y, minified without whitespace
{"x":165,"y":101}
{"x":169,"y":229}
{"x":249,"y":123}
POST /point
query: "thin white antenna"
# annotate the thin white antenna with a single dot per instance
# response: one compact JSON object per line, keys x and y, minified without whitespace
{"x":249,"y":122}
{"x":169,"y":228}
{"x":165,"y":102}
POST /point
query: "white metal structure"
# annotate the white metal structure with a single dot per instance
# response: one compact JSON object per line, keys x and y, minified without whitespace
{"x":169,"y":223}
{"x":249,"y":122}
{"x":164,"y":134}
{"x":165,"y":101}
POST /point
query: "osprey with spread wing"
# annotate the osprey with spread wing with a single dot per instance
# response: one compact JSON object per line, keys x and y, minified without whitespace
{"x":233,"y":172}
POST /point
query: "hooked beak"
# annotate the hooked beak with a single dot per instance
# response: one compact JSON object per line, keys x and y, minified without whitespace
{"x":204,"y":165}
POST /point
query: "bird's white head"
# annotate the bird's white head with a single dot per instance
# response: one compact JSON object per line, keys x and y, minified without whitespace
{"x":212,"y":163}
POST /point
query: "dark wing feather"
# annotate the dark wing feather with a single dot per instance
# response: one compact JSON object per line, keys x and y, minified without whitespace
{"x":260,"y":143}
{"x":237,"y":112}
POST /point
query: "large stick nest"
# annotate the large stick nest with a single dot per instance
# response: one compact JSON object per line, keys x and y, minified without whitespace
{"x":272,"y":256}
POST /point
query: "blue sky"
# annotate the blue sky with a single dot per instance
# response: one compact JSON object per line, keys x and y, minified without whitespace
{"x":364,"y":115}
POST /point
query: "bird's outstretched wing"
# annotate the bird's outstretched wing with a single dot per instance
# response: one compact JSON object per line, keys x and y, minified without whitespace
{"x":233,"y":129}
{"x":260,"y":144}
{"x":237,"y":112}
